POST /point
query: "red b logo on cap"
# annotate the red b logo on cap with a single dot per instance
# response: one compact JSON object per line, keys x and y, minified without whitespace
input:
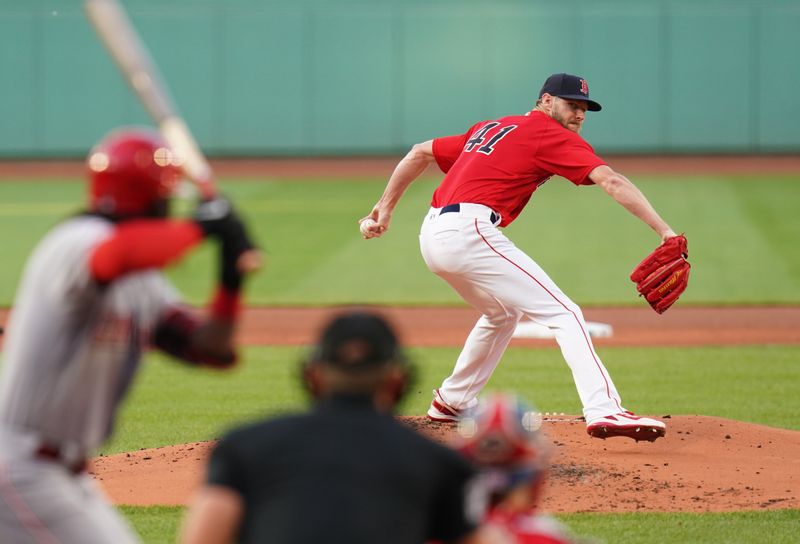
{"x":584,"y":87}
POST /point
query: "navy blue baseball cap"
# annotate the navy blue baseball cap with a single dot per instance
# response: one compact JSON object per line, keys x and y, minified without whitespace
{"x":358,"y":340}
{"x":570,"y":87}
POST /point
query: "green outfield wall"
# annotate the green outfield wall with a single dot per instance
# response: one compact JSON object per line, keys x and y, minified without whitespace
{"x":307,"y":77}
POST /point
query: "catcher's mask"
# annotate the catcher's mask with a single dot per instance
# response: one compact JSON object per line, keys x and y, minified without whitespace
{"x":503,"y":437}
{"x":360,"y":349}
{"x":132,"y":172}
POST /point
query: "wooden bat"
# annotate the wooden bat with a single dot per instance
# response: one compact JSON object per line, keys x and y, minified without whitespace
{"x":123,"y":43}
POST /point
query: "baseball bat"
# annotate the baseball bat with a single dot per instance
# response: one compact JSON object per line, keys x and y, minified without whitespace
{"x":129,"y":53}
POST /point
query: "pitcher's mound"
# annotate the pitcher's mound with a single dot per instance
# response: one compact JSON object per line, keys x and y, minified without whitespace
{"x":704,"y":464}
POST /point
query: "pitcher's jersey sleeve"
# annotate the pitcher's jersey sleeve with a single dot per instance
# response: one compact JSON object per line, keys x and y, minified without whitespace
{"x":566,"y":154}
{"x":447,"y":149}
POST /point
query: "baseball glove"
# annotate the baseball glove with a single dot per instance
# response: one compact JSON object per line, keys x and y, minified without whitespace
{"x":662,"y":276}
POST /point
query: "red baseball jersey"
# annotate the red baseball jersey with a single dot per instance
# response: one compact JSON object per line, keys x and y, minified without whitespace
{"x":500,"y":163}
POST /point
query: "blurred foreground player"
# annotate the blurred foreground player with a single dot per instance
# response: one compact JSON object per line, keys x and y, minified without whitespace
{"x":91,"y":299}
{"x":344,"y":472}
{"x":502,"y":437}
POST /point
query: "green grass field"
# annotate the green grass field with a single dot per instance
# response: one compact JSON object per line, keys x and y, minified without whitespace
{"x":742,"y":233}
{"x":173,"y":404}
{"x":158,"y":524}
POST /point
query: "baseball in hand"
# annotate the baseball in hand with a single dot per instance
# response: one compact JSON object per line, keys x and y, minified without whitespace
{"x":365,"y":225}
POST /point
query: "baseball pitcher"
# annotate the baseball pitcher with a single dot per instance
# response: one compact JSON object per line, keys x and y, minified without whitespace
{"x":92,"y":298}
{"x":491,"y":171}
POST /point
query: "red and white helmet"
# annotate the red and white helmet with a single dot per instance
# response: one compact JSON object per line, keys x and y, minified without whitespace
{"x":130,"y":170}
{"x":503,"y":433}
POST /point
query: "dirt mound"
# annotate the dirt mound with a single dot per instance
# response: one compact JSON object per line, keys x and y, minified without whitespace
{"x":704,"y":464}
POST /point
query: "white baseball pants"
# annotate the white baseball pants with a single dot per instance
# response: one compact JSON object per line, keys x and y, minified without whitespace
{"x":503,"y":283}
{"x":42,"y":502}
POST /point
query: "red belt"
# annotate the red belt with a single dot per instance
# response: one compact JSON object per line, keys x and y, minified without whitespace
{"x":54,"y":453}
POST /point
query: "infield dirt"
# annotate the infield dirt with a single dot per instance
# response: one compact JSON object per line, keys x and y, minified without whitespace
{"x":704,"y":464}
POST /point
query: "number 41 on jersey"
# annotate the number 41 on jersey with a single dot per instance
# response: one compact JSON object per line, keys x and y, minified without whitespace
{"x":480,"y":136}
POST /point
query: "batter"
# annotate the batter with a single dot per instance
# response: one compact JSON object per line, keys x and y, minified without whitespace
{"x":492,"y":170}
{"x":92,"y":298}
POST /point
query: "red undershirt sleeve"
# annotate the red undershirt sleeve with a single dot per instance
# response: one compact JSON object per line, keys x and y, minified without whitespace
{"x":225,"y":304}
{"x":141,"y":244}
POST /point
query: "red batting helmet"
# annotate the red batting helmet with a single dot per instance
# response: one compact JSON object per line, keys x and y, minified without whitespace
{"x":502,"y":436}
{"x":130,"y":171}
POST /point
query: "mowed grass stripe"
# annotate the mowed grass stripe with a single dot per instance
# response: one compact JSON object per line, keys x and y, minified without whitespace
{"x":742,"y":235}
{"x":159,"y":525}
{"x":173,"y":404}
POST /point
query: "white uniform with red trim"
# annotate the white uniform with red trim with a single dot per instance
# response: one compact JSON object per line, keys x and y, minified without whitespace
{"x":71,"y":350}
{"x":492,"y":171}
{"x":504,"y":284}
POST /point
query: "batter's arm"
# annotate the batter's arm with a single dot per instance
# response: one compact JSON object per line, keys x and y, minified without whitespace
{"x":407,"y":170}
{"x":185,"y":336}
{"x":141,"y":244}
{"x":631,"y":198}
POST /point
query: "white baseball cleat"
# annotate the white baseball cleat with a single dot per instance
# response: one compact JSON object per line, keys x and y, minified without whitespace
{"x":627,"y":424}
{"x":441,"y":411}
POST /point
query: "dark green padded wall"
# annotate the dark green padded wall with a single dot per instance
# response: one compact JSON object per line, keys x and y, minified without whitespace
{"x":306,"y":77}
